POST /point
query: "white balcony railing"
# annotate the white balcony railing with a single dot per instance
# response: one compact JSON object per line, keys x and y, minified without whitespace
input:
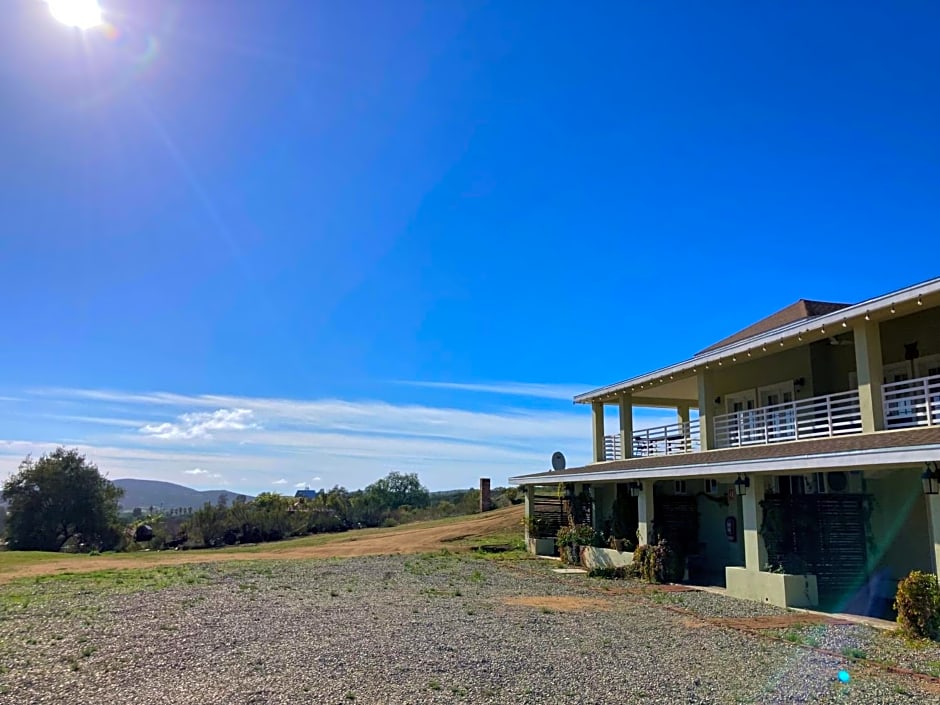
{"x":661,"y":440}
{"x":817,"y":417}
{"x":612,"y":447}
{"x":913,"y":402}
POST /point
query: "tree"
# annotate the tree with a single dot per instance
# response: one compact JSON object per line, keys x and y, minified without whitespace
{"x":396,"y":490}
{"x":59,"y":497}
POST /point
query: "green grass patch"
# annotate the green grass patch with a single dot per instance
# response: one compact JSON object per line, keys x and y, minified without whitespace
{"x":20,"y":594}
{"x":854,"y":653}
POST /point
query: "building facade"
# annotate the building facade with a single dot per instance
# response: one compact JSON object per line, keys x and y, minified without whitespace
{"x":802,"y":468}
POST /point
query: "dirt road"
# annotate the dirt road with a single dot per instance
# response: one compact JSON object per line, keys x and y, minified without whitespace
{"x":421,"y":537}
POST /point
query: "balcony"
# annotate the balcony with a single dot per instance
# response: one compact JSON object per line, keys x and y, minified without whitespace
{"x":817,"y":417}
{"x":660,"y":440}
{"x":907,"y":404}
{"x":913,"y":402}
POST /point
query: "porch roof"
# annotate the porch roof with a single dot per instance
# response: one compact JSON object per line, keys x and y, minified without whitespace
{"x":669,"y":381}
{"x":886,"y":448}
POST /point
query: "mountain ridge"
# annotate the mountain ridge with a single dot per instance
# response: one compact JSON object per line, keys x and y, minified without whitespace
{"x":166,"y":495}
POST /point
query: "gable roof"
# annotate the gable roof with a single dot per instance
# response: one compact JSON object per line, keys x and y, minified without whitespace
{"x":799,"y":311}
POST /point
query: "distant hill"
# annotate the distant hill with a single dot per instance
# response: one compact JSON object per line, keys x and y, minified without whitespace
{"x":153,"y":493}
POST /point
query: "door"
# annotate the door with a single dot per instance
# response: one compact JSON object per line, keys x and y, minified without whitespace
{"x":742,"y":427}
{"x":780,"y":417}
{"x":899,"y":404}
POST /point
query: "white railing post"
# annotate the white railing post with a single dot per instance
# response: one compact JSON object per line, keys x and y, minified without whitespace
{"x":927,"y":401}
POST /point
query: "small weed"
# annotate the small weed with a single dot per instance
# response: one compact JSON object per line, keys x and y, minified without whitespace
{"x":901,"y":690}
{"x":477,"y":577}
{"x":854,"y":652}
{"x":434,"y":684}
{"x":350,"y":695}
{"x":545,"y":610}
{"x":88,"y":651}
{"x":793,"y":636}
{"x":666,"y":598}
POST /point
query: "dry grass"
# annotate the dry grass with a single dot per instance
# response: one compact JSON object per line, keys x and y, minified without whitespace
{"x":420,"y":537}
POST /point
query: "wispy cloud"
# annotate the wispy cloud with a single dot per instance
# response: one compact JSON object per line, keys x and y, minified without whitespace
{"x":512,"y":389}
{"x":275,"y":441}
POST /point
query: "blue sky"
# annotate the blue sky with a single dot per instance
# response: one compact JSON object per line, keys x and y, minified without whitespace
{"x":236,"y":234}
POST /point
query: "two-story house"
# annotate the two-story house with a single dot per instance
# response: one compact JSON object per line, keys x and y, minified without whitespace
{"x":802,"y":468}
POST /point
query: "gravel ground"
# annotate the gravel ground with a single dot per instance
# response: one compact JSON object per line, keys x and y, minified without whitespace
{"x":399,"y":629}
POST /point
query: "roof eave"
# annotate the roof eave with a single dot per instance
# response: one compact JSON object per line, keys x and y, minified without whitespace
{"x":778,"y":336}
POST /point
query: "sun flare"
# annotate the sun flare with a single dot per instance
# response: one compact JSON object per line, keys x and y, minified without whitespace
{"x":83,"y":14}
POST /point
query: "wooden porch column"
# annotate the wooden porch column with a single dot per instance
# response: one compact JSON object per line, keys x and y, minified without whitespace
{"x":683,"y":413}
{"x":933,"y":517}
{"x":644,"y":504}
{"x":755,"y":552}
{"x":626,"y":426}
{"x":597,"y":416}
{"x":870,"y":370}
{"x":529,"y":506}
{"x":706,"y":396}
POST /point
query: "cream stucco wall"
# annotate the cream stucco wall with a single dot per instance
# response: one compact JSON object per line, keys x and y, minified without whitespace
{"x":719,"y":551}
{"x":604,"y":496}
{"x":783,"y":367}
{"x":779,"y":589}
{"x":831,"y":366}
{"x":899,"y":524}
{"x":923,"y":327}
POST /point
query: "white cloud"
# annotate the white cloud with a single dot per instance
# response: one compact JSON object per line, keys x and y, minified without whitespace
{"x":204,"y":473}
{"x":267,"y":441}
{"x":301,"y":485}
{"x":199,"y":425}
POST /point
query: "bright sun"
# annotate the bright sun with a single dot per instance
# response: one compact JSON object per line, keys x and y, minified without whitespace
{"x":83,"y":14}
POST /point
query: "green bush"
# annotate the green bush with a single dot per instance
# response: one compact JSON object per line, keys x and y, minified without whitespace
{"x":918,"y":604}
{"x":657,"y":563}
{"x":575,"y":536}
{"x":643,"y":562}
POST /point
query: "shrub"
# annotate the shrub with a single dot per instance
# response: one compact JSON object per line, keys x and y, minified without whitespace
{"x":643,"y":560}
{"x":657,"y":563}
{"x":574,"y":536}
{"x":918,"y":604}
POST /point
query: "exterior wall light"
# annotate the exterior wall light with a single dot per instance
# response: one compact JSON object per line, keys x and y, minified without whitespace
{"x":931,"y":479}
{"x":798,"y":384}
{"x":920,"y":301}
{"x":741,"y":485}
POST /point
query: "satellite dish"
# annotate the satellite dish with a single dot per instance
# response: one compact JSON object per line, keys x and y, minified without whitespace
{"x":558,"y":461}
